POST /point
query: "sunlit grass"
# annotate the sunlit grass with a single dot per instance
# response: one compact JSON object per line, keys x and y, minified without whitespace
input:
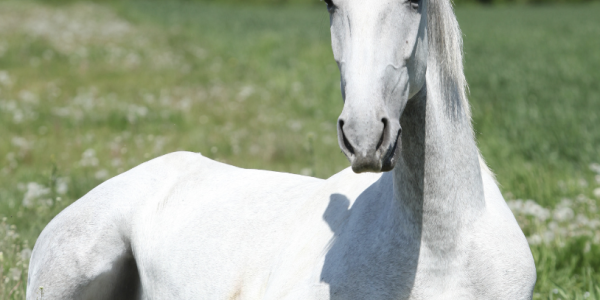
{"x":88,"y":91}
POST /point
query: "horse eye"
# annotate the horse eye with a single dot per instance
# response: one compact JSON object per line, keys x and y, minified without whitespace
{"x":330,"y":4}
{"x":414,"y":3}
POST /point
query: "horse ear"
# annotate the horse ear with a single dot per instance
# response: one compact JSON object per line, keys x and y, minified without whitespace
{"x":445,"y":57}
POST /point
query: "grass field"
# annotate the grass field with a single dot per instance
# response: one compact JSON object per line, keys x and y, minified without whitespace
{"x":88,"y":91}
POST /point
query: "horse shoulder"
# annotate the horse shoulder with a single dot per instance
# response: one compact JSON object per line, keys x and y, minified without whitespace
{"x":501,"y":260}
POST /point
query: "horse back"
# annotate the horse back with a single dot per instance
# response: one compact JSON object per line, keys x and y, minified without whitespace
{"x":114,"y":241}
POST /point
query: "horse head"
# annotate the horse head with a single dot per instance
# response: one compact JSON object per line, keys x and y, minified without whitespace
{"x":381,"y":50}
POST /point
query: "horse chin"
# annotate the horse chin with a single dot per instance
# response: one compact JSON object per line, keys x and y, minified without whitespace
{"x":364,"y":165}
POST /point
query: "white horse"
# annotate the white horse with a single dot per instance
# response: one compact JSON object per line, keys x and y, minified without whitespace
{"x":435,"y":227}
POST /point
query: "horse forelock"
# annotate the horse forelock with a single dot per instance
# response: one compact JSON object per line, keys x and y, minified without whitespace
{"x":446,"y":56}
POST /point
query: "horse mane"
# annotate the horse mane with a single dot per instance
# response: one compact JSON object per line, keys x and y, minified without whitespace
{"x":445,"y":60}
{"x":445,"y":45}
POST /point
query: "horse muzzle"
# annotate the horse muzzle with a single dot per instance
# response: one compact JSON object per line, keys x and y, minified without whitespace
{"x":369,"y":146}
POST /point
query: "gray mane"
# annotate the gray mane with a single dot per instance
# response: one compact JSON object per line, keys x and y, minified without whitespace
{"x":446,"y":56}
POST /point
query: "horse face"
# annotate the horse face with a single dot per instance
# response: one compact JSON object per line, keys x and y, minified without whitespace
{"x":381,"y":50}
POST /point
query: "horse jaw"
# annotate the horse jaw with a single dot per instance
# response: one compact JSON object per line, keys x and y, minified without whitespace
{"x":381,"y":51}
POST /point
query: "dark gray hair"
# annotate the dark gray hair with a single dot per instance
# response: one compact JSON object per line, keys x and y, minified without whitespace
{"x":446,"y":56}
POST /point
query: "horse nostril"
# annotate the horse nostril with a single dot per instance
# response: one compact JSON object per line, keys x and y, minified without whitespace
{"x":383,"y":133}
{"x":345,"y":140}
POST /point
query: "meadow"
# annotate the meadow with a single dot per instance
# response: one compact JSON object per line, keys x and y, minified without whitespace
{"x":90,"y":90}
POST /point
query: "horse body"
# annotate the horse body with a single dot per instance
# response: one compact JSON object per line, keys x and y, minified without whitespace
{"x":185,"y":227}
{"x":434,"y":227}
{"x":174,"y":218}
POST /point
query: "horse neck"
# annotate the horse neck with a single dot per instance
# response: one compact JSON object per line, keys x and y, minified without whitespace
{"x":437,"y":180}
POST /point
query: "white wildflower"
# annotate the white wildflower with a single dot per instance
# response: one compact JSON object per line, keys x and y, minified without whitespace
{"x":581,"y":198}
{"x":184,"y":104}
{"x":25,"y":254}
{"x":245,"y":92}
{"x":101,"y":174}
{"x":535,"y":239}
{"x":62,"y":185}
{"x":18,"y":116}
{"x":89,"y":159}
{"x":548,"y":236}
{"x":306,"y":172}
{"x":134,"y":112}
{"x":22,"y":143}
{"x":35,"y":193}
{"x":582,"y":221}
{"x":28,"y":97}
{"x":595,"y":167}
{"x":159,"y":144}
{"x":86,"y":99}
{"x":5,"y":79}
{"x":200,"y":53}
{"x":149,"y":98}
{"x":297,"y":87}
{"x":565,"y":202}
{"x":132,"y":60}
{"x":530,"y":208}
{"x":14,"y":274}
{"x":563,"y":214}
{"x":12,"y":160}
{"x":69,"y":30}
{"x":254,"y":149}
{"x":515,"y":205}
{"x":116,"y":162}
{"x":61,"y":111}
{"x":295,"y":125}
{"x":328,"y":140}
{"x":597,"y":192}
{"x":587,"y":248}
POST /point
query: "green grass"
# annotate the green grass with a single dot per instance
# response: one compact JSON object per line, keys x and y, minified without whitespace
{"x":533,"y":73}
{"x":257,"y":87}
